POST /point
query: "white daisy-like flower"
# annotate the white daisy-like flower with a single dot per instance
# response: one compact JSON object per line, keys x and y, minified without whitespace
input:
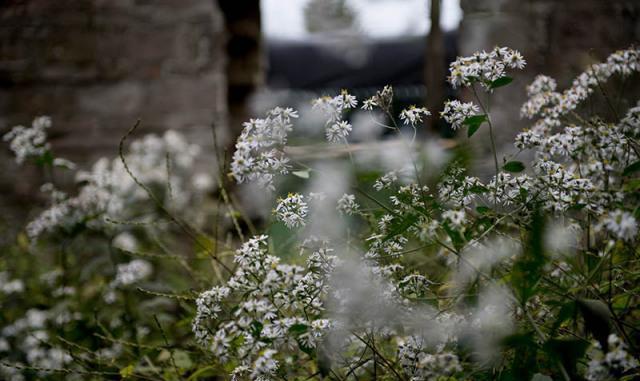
{"x":338,"y":131}
{"x":455,"y":217}
{"x":29,"y":142}
{"x":292,"y":210}
{"x":414,"y":115}
{"x":622,"y":224}
{"x":455,"y":112}
{"x":347,"y":204}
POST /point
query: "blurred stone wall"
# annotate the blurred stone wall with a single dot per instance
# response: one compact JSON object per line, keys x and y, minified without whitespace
{"x":559,"y":38}
{"x":96,"y":66}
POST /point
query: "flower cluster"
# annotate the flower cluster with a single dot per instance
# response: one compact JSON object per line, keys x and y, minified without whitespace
{"x":576,"y":164}
{"x":484,"y":67}
{"x":385,"y":181}
{"x":429,"y":280}
{"x":259,"y":154}
{"x":546,"y":102}
{"x":454,"y":218}
{"x":337,"y":129}
{"x":30,"y":335}
{"x":132,"y":272}
{"x":292,"y":210}
{"x":333,"y":107}
{"x":279,"y":310}
{"x":108,"y":190}
{"x":630,"y":124}
{"x":622,"y":224}
{"x":413,"y":115}
{"x":347,"y":204}
{"x":338,"y":132}
{"x":458,"y":190}
{"x":10,"y":286}
{"x":455,"y":112}
{"x":611,"y":364}
{"x":419,"y":364}
{"x":383,"y":100}
{"x":29,"y":142}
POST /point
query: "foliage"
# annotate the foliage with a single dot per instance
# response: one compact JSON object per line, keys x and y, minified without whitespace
{"x":404,"y":273}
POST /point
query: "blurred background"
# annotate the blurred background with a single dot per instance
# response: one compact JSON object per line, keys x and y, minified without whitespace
{"x":96,"y":66}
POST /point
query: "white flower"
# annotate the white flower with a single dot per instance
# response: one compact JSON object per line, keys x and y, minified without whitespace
{"x":382,"y":99}
{"x":317,"y":196}
{"x":292,"y":210}
{"x":132,"y":272}
{"x":265,"y":365}
{"x":454,"y":217}
{"x":107,"y":190}
{"x":455,"y":112}
{"x":385,"y":181}
{"x":622,"y":224}
{"x":29,"y":142}
{"x":10,"y":286}
{"x":544,"y":101}
{"x":333,"y":107}
{"x":422,"y":365}
{"x":259,"y":153}
{"x":4,"y":345}
{"x":609,"y":365}
{"x":514,"y":60}
{"x":347,"y":204}
{"x":203,"y":182}
{"x":414,"y":284}
{"x":369,"y":104}
{"x":125,"y":241}
{"x":630,"y":124}
{"x":541,"y":84}
{"x":484,"y":67}
{"x":413,"y":115}
{"x":207,"y":302}
{"x":64,"y":163}
{"x":238,"y":372}
{"x":338,"y":131}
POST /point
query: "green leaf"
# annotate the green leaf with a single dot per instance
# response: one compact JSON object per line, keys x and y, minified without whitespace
{"x":256,"y":328}
{"x":456,"y":238}
{"x":525,"y":351}
{"x":513,"y":166}
{"x":482,"y":209}
{"x":478,"y":189}
{"x":529,"y":266}
{"x":127,"y":371}
{"x":567,"y":311}
{"x":631,"y":168}
{"x":567,"y":351}
{"x":164,"y":355}
{"x":207,"y":371}
{"x":474,"y":122}
{"x":577,"y":207}
{"x":182,"y":359}
{"x":308,"y":350}
{"x":298,"y":329}
{"x":302,"y":174}
{"x":46,"y":159}
{"x":541,"y":377}
{"x":632,"y":185}
{"x":472,"y":130}
{"x":324,"y":361}
{"x":597,"y":318}
{"x":237,"y":342}
{"x":502,"y":81}
{"x":203,"y":246}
